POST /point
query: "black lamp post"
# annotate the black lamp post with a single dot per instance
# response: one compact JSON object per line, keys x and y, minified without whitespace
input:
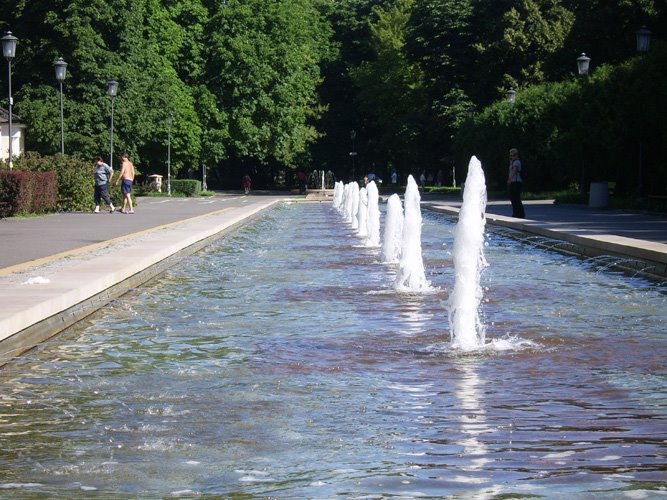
{"x":583,"y":63}
{"x":511,"y":95}
{"x":171,"y":117}
{"x":112,"y":91}
{"x":643,"y":36}
{"x":61,"y":69}
{"x":9,"y":51}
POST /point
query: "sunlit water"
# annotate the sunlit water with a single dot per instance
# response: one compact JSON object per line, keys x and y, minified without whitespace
{"x":280,"y":363}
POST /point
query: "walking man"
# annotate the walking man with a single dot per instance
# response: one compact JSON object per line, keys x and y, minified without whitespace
{"x":102,"y":175}
{"x":126,"y":178}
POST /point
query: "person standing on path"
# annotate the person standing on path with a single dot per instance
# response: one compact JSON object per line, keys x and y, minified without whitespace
{"x":514,"y":183}
{"x":247,"y":183}
{"x":102,"y":174}
{"x":301,"y":177}
{"x":126,"y":178}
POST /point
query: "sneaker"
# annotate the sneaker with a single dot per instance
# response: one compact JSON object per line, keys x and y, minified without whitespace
{"x":122,"y":211}
{"x":112,"y":209}
{"x":130,"y":212}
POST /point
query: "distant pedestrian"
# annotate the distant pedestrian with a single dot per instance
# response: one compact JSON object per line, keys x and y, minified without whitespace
{"x":422,"y":179}
{"x":126,"y":178}
{"x":102,"y":175}
{"x":247,"y":184}
{"x":301,"y":178}
{"x":515,"y":183}
{"x":394,"y":177}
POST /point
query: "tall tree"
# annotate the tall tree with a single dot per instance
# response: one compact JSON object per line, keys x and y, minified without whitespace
{"x":102,"y":40}
{"x":440,"y":39}
{"x":534,"y":30}
{"x":351,"y":35}
{"x":391,"y":90}
{"x":264,"y":72}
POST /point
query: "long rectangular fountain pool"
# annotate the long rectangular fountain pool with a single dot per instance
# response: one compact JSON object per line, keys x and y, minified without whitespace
{"x":280,"y":362}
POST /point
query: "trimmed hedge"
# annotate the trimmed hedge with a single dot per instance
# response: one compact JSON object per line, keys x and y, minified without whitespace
{"x":23,"y":193}
{"x":74,"y":178}
{"x":188,"y":187}
{"x":606,"y":127}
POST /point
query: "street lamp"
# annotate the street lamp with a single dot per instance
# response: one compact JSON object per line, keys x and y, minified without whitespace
{"x":511,"y":95}
{"x":353,"y":153}
{"x":9,"y":51}
{"x":643,"y":35}
{"x":171,"y":117}
{"x":583,"y":63}
{"x":112,"y":91}
{"x":61,"y":68}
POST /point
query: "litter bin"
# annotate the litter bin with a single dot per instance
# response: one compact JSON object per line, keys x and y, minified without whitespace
{"x":155,"y":183}
{"x":599,"y":195}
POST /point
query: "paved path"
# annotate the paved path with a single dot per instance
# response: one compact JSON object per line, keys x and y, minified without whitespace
{"x":591,"y":232}
{"x":23,"y":240}
{"x":587,"y":221}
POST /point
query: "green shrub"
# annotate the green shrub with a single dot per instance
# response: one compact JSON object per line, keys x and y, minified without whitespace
{"x":74,"y":178}
{"x":188,"y":187}
{"x":579,"y":130}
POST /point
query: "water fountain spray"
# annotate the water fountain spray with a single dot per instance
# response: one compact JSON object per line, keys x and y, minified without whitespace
{"x":393,"y":229}
{"x":362,"y":213}
{"x":466,"y":330}
{"x":410,"y":276}
{"x":373,"y":220}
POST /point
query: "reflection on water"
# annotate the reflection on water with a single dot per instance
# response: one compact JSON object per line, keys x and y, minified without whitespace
{"x":280,"y":363}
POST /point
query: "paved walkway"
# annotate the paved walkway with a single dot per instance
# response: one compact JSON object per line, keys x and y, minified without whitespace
{"x":56,"y":269}
{"x":631,"y":236}
{"x":587,"y":221}
{"x":25,"y":242}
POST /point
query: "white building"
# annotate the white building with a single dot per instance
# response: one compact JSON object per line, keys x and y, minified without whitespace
{"x":18,"y":135}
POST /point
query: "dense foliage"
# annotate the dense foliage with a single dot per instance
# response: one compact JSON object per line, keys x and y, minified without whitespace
{"x":266,"y":87}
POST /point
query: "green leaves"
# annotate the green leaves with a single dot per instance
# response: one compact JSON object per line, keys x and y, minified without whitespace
{"x":264,"y":71}
{"x":391,"y":88}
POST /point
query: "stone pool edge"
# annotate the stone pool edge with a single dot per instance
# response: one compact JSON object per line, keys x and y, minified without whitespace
{"x":639,"y":256}
{"x":83,"y":284}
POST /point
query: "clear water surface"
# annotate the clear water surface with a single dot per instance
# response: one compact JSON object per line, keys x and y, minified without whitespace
{"x":279,"y":363}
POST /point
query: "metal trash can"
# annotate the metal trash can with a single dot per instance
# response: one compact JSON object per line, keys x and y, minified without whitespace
{"x":599,"y":195}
